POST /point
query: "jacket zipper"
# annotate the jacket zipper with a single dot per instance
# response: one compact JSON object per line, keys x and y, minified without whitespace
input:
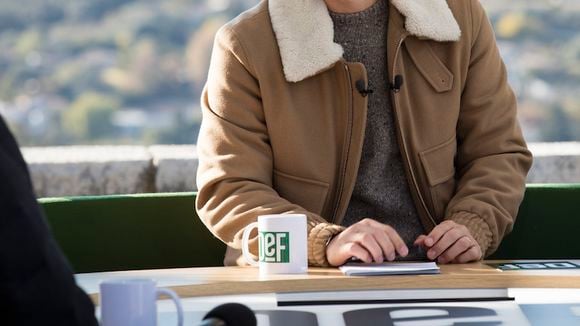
{"x":401,"y":138}
{"x":348,"y":143}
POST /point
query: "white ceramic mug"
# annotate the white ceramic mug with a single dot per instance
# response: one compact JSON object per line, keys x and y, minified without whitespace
{"x":133,"y":302}
{"x":282,"y":244}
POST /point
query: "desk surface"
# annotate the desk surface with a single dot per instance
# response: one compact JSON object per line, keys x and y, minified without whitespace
{"x":196,"y":282}
{"x":476,"y":293}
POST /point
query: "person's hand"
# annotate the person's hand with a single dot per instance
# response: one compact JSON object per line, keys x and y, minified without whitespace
{"x":450,"y":242}
{"x":367,"y":240}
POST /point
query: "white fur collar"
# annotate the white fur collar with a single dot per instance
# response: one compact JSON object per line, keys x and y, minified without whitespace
{"x":305,"y":32}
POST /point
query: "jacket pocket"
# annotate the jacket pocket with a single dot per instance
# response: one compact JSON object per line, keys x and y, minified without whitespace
{"x":430,"y":66}
{"x":307,"y":193}
{"x":438,"y":164}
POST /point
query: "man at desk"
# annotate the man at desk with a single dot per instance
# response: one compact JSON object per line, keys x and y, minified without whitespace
{"x":390,"y":124}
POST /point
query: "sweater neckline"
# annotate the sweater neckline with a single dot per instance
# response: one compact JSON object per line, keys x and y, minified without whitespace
{"x":376,"y":9}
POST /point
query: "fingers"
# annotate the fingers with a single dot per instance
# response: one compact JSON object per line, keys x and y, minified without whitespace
{"x":340,"y":249}
{"x":446,"y":240}
{"x":420,"y":241}
{"x":359,"y":252}
{"x":367,"y":240}
{"x":399,"y":244}
{"x":450,"y":242}
{"x":438,"y":232}
{"x":388,"y":249}
{"x":472,"y":254}
{"x":460,"y":246}
{"x":386,"y":237}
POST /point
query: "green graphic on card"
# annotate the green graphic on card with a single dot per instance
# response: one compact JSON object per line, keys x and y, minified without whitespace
{"x":274,"y":247}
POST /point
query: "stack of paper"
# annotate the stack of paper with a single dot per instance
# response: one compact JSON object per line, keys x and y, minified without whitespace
{"x":362,"y":269}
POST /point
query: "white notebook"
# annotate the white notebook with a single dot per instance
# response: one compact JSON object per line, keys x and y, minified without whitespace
{"x":362,"y":269}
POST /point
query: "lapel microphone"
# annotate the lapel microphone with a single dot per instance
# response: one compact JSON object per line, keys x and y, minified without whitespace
{"x":397,"y":83}
{"x":362,"y":89}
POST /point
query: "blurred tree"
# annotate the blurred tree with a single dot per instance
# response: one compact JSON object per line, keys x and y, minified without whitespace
{"x":89,"y":116}
{"x":572,"y":56}
{"x":28,"y":41}
{"x":171,"y":31}
{"x":8,"y":21}
{"x":184,"y":132}
{"x":7,"y":80}
{"x":511,"y":24}
{"x":97,"y":9}
{"x":138,"y":75}
{"x":558,"y":126}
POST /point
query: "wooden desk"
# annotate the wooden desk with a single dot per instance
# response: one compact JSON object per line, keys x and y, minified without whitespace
{"x":196,"y":282}
{"x":549,"y":297}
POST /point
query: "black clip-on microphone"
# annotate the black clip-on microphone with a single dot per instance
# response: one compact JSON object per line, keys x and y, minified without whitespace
{"x":360,"y":87}
{"x":230,"y":314}
{"x":364,"y":91}
{"x":397,"y":84}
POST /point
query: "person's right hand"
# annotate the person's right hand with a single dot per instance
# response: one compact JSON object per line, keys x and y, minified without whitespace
{"x":367,"y":240}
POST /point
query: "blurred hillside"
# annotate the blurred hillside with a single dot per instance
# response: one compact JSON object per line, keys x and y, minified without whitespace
{"x":107,"y":71}
{"x":540,"y":43}
{"x":126,"y":71}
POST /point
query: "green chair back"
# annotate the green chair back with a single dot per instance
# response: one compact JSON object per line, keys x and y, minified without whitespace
{"x":547,"y":225}
{"x":122,"y":232}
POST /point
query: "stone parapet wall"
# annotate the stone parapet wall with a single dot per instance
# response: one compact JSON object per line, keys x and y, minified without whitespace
{"x":102,"y":170}
{"x":555,"y":162}
{"x":105,"y":170}
{"x":175,"y":167}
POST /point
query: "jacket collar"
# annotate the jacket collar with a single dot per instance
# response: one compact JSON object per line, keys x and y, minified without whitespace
{"x":305,"y":32}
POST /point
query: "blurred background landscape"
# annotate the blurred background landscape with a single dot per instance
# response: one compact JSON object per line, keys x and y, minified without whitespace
{"x":131,"y":72}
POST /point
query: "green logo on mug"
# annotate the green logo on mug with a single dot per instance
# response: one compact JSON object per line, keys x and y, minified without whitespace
{"x":274,"y":247}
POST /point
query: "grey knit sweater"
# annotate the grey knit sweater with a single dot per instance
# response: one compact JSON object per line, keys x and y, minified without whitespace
{"x":381,"y":191}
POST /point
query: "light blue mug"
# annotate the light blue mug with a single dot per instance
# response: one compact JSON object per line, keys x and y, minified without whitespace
{"x":133,"y":302}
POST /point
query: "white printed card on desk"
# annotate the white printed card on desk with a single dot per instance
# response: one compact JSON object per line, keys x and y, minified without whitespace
{"x":394,"y":268}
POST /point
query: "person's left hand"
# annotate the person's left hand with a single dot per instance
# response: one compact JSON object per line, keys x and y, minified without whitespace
{"x":450,"y":242}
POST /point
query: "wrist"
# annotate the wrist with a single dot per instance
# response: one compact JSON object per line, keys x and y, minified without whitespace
{"x":478,"y":229}
{"x":327,"y":245}
{"x":318,"y":240}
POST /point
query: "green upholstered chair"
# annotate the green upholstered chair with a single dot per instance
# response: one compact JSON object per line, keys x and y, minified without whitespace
{"x":122,"y":232}
{"x":547,"y":226}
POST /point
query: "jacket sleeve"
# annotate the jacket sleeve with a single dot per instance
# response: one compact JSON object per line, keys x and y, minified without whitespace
{"x":234,"y":176}
{"x":492,"y":158}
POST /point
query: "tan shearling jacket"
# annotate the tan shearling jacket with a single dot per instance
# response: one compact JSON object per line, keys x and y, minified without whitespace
{"x":284,"y":121}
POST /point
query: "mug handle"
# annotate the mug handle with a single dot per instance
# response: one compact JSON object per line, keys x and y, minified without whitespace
{"x":175,"y":298}
{"x":246,"y":244}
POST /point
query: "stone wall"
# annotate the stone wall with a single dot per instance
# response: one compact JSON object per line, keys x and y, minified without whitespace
{"x":555,"y":162}
{"x":103,"y":170}
{"x":100,"y":170}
